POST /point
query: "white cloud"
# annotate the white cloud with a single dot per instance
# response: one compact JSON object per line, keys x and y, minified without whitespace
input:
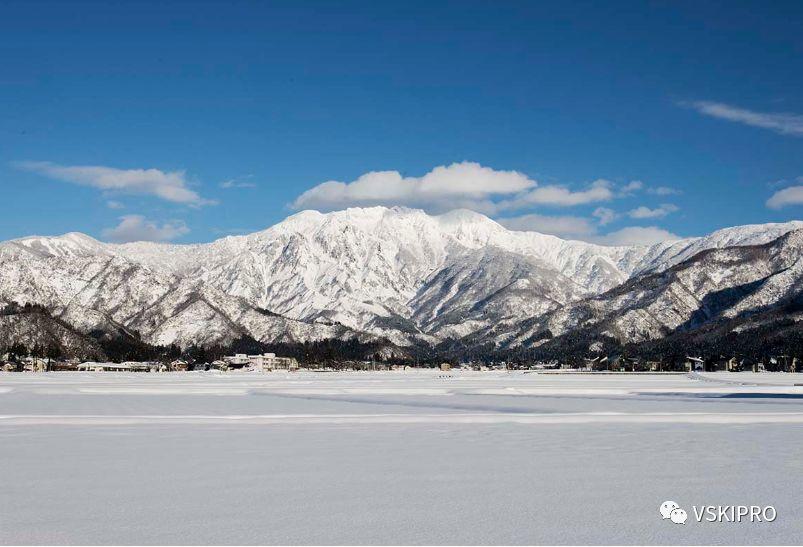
{"x":636,"y":235}
{"x":112,"y":204}
{"x":604,"y":215}
{"x":636,"y":186}
{"x":631,"y":187}
{"x":171,"y":186}
{"x":237,"y":183}
{"x":138,"y":228}
{"x":471,"y":186}
{"x":457,"y":185}
{"x":562,"y":226}
{"x":659,"y":212}
{"x":785,"y":123}
{"x":792,"y":195}
{"x":663,"y":191}
{"x":584,"y":229}
{"x":560,"y":196}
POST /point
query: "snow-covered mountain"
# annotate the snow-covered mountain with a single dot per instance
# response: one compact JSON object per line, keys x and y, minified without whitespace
{"x":395,"y":273}
{"x":94,"y":287}
{"x":34,"y":328}
{"x":716,"y":285}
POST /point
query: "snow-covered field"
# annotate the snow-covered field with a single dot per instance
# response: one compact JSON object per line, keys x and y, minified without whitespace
{"x":395,"y":457}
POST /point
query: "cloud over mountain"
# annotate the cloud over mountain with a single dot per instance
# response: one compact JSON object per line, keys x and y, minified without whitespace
{"x":465,"y":183}
{"x":561,"y":196}
{"x":571,"y":227}
{"x":637,"y":235}
{"x":138,"y":228}
{"x":459,"y":185}
{"x":661,"y":211}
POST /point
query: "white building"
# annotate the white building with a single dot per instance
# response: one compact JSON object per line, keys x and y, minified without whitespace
{"x":262,"y":363}
{"x":269,"y":361}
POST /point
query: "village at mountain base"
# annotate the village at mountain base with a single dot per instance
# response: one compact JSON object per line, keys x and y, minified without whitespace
{"x":269,"y":362}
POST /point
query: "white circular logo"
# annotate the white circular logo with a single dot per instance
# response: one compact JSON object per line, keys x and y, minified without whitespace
{"x":666,"y":509}
{"x":678,"y":516}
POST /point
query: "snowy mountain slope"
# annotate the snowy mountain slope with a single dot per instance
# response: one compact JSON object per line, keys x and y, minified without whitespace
{"x":489,"y":285}
{"x":713,"y":285}
{"x":391,"y":272}
{"x":364,"y":268}
{"x":35,"y":328}
{"x":665,"y":255}
{"x":95,"y":289}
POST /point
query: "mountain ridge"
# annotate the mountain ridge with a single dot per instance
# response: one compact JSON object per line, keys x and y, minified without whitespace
{"x":397,"y":274}
{"x":718,"y":285}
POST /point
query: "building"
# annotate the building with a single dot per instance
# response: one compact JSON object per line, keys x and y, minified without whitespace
{"x":63,"y":366}
{"x":263,"y":362}
{"x":238,"y":360}
{"x":269,"y":361}
{"x":92,"y":366}
{"x":35,"y":364}
{"x":137,"y":366}
{"x":694,"y":364}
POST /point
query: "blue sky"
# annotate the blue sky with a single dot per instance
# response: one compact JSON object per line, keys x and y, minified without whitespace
{"x":605,"y":121}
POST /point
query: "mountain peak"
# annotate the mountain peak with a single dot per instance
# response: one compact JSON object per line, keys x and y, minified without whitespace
{"x":396,"y":272}
{"x":71,"y":243}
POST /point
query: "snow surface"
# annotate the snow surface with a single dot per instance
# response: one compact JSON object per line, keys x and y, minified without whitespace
{"x":395,"y":457}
